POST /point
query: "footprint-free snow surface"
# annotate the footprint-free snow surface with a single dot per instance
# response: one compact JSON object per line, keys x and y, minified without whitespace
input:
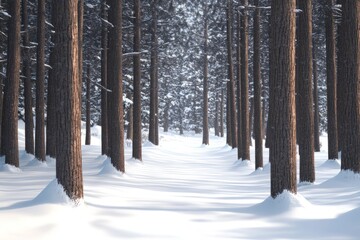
{"x":181,"y":190}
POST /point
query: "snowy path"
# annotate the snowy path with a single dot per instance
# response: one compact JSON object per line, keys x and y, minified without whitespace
{"x":182,"y":190}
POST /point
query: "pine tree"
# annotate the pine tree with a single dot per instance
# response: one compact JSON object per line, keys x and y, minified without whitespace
{"x":257,"y":90}
{"x":282,"y":65}
{"x":350,"y":155}
{"x":116,"y":121}
{"x":88,"y":118}
{"x":305,"y":96}
{"x":205,"y":140}
{"x":137,"y":135}
{"x":40,"y":84}
{"x":331,"y":81}
{"x":245,"y":128}
{"x":68,"y":108}
{"x":11,"y":90}
{"x":28,"y":98}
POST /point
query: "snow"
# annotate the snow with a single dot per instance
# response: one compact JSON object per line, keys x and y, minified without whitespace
{"x":181,"y":190}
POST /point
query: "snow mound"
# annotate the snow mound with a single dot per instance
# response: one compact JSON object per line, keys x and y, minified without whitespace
{"x":344,"y":178}
{"x":284,"y":202}
{"x":243,"y":164}
{"x":54,"y":193}
{"x":101,"y":158}
{"x":9,"y":168}
{"x":36,"y":163}
{"x":331,"y":164}
{"x":50,"y":161}
{"x":148,"y":144}
{"x":24,"y":156}
{"x":109,"y":170}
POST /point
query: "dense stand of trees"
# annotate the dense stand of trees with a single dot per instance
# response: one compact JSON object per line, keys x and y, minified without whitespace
{"x":178,"y":65}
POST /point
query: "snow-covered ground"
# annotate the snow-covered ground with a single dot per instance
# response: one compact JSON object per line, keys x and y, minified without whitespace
{"x":182,"y":190}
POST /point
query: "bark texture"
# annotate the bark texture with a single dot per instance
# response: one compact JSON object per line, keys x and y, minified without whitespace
{"x":282,"y":64}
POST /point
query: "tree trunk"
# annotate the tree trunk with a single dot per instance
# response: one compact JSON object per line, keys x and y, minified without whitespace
{"x":116,"y":136}
{"x":68,"y":107}
{"x":222,"y":113}
{"x":88,"y":118}
{"x":51,"y":101}
{"x":245,"y":83}
{"x":282,"y":64}
{"x":11,"y":90}
{"x":257,"y":91}
{"x":350,"y":156}
{"x":231,"y":84}
{"x":104,"y":95}
{"x":153,"y":75}
{"x":216,"y":118}
{"x":331,"y":82}
{"x":81,"y":40}
{"x":129,"y":115}
{"x":28,"y":98}
{"x":137,"y":138}
{"x":238,"y":89}
{"x":305,"y":96}
{"x":40,"y":84}
{"x":205,"y":86}
{"x":316,"y":104}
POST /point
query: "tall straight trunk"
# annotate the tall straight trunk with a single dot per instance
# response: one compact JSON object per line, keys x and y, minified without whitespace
{"x":340,"y":74}
{"x":11,"y":91}
{"x":316,"y":104}
{"x":166,"y":117}
{"x":51,"y":102}
{"x":216,"y":118}
{"x":222,"y":113}
{"x":350,"y":155}
{"x":137,"y":135}
{"x":282,"y":64}
{"x":116,"y":136}
{"x":245,"y":83}
{"x":88,"y":118}
{"x":28,"y":98}
{"x":257,"y":91}
{"x":231,"y":83}
{"x":104,"y":97}
{"x":304,"y":77}
{"x":81,"y":40}
{"x":40,"y":84}
{"x":68,"y":113}
{"x":205,"y":140}
{"x":228,"y":118}
{"x":331,"y":82}
{"x":153,"y":75}
{"x":129,"y":119}
{"x":238,"y":89}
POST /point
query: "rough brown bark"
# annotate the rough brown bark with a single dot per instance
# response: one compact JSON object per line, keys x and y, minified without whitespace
{"x":137,"y":135}
{"x":231,"y":83}
{"x":304,"y":77}
{"x":350,"y":155}
{"x":104,"y":98}
{"x":88,"y":118}
{"x":68,"y":107}
{"x":28,"y":98}
{"x":51,"y":102}
{"x":316,"y":104}
{"x":245,"y":83}
{"x":331,"y":82}
{"x":257,"y":91}
{"x":238,"y":88}
{"x":116,"y":136}
{"x":205,"y":140}
{"x":40,"y":84}
{"x":282,"y":64}
{"x":153,"y":75}
{"x":129,"y":119}
{"x":11,"y":90}
{"x":222,"y":113}
{"x":81,"y":40}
